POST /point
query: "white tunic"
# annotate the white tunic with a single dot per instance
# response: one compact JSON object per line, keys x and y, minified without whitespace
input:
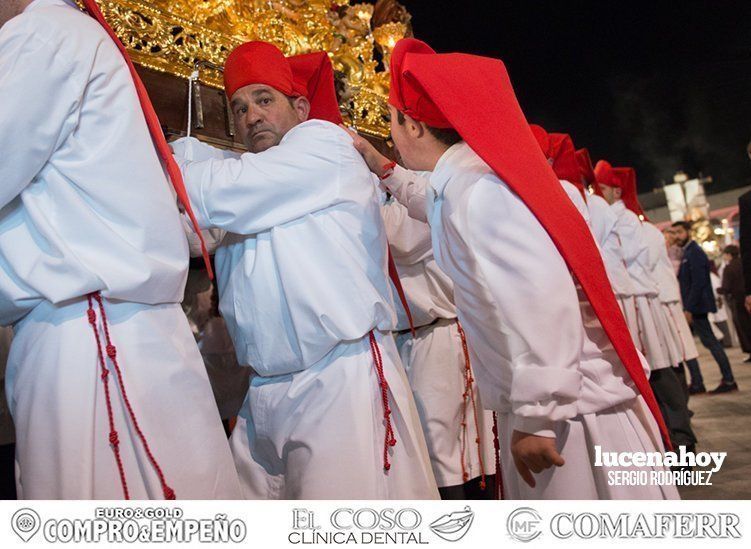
{"x":604,"y":220}
{"x":533,"y":356}
{"x":429,"y":291}
{"x":118,"y":231}
{"x":86,"y":207}
{"x":651,"y":336}
{"x":541,"y":358}
{"x":577,"y":198}
{"x":433,"y":358}
{"x":683,"y":346}
{"x":662,"y":271}
{"x":636,"y":253}
{"x":302,"y":279}
{"x":301,"y":218}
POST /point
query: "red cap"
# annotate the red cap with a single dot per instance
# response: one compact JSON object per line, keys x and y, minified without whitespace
{"x":587,"y":170}
{"x":629,"y":192}
{"x":314,"y":76}
{"x":604,"y":175}
{"x":259,"y":63}
{"x":475,"y":97}
{"x":405,"y":95}
{"x":309,"y":75}
{"x":559,"y":149}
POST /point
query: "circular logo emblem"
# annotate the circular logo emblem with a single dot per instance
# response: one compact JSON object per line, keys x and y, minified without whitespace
{"x":523,"y":524}
{"x":25,"y":523}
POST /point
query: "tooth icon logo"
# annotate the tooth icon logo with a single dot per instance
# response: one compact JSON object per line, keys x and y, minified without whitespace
{"x":454,"y":526}
{"x":25,"y":523}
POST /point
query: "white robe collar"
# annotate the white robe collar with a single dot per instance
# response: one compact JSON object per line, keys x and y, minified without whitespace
{"x":618,"y":206}
{"x":444,"y":168}
{"x":43,"y":3}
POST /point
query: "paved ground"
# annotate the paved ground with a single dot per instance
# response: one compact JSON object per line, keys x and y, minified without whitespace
{"x":723,"y":424}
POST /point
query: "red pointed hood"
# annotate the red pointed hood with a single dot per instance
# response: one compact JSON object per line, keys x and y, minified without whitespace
{"x":409,"y":98}
{"x":474,"y":96}
{"x":309,"y":75}
{"x":559,"y":149}
{"x":629,"y":190}
{"x":314,"y":74}
{"x":604,"y":175}
{"x":587,"y":170}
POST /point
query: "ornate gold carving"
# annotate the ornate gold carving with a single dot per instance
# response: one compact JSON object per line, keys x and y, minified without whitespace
{"x":175,"y":36}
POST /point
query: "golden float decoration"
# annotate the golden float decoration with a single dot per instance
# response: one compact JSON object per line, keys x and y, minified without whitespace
{"x":180,"y":36}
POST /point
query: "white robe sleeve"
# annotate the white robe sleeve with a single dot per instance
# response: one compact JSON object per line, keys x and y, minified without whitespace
{"x":655,"y":244}
{"x":408,"y":238}
{"x":537,"y":304}
{"x":410,"y":189}
{"x":256,"y":192}
{"x":634,"y":245}
{"x":191,"y":149}
{"x":40,"y":100}
{"x":211,"y":237}
{"x":603,"y":219}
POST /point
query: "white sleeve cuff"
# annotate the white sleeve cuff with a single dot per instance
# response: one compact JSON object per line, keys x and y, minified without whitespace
{"x":541,"y":427}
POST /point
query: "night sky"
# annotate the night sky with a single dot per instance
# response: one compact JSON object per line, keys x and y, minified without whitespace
{"x":646,"y":84}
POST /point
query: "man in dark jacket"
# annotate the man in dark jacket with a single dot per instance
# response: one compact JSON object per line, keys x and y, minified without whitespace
{"x":699,"y":301}
{"x":744,"y":212}
{"x":734,"y":290}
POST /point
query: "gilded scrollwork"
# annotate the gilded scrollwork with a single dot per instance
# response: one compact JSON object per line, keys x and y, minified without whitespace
{"x":175,"y":36}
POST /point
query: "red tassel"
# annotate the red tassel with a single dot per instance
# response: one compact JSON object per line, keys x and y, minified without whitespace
{"x":114,"y":440}
{"x":390,"y":438}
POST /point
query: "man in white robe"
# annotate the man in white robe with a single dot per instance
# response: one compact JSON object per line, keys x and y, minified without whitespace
{"x":303,"y":287}
{"x":650,"y":331}
{"x":675,"y":408}
{"x":556,"y":383}
{"x":670,"y":296}
{"x":104,"y":407}
{"x":457,"y":429}
{"x":619,"y":187}
{"x":560,"y":152}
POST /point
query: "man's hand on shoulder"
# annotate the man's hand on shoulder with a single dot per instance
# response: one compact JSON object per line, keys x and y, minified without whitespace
{"x":375,"y":160}
{"x":533,"y":454}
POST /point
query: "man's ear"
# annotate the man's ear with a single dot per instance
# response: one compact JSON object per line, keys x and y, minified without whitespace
{"x":414,"y":128}
{"x":617,"y":192}
{"x":302,"y":108}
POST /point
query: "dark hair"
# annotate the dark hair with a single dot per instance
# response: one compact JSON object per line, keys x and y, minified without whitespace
{"x":447,"y":136}
{"x":732,"y":249}
{"x":685,"y":224}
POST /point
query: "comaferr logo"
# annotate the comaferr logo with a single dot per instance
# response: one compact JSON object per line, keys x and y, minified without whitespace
{"x":641,"y":525}
{"x":454,"y":526}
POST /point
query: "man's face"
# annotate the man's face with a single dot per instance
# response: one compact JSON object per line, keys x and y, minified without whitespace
{"x":611,"y":194}
{"x":399,"y":136}
{"x":669,"y":235}
{"x":263,"y":115}
{"x":405,"y":141}
{"x":681,"y":235}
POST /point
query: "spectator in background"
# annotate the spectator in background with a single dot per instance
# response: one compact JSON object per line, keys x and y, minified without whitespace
{"x":734,"y":290}
{"x":744,"y":211}
{"x":675,"y":252}
{"x":698,"y":302}
{"x":719,"y":319}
